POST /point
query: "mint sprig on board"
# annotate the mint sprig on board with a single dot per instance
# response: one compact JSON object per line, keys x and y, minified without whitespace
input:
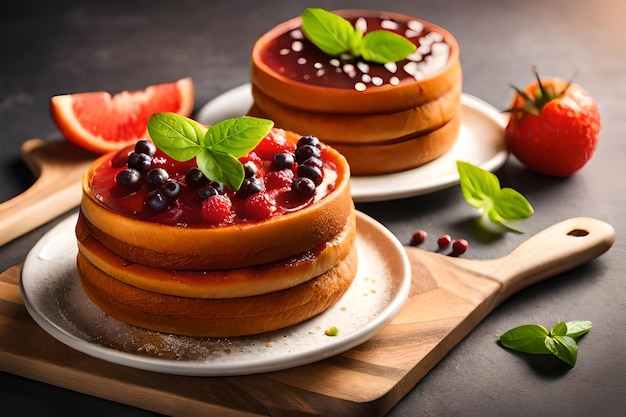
{"x":216,"y":148}
{"x":335,"y":35}
{"x":481,"y":189}
{"x":561,"y":341}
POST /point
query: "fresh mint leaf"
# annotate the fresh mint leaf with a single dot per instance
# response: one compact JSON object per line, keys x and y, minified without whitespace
{"x":178,"y":137}
{"x":559,"y":341}
{"x":481,"y":189}
{"x":236,"y":137}
{"x":383,"y":46}
{"x":216,"y":148}
{"x":529,"y":338}
{"x":334,"y":36}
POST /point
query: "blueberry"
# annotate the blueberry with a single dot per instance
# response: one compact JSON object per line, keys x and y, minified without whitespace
{"x":250,"y":169}
{"x":128,"y":178}
{"x":139,"y":161}
{"x":283,"y":161}
{"x":219,"y":187}
{"x":145,"y":147}
{"x":171,"y":188}
{"x":308,"y":140}
{"x":251,"y":186}
{"x":156,"y":201}
{"x":313,"y":161}
{"x":304,"y":152}
{"x":156,"y":177}
{"x":303,"y":187}
{"x":194,"y":178}
{"x":207,"y":191}
{"x":311,"y":172}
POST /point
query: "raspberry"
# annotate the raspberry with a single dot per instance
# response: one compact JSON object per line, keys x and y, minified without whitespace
{"x":216,"y":209}
{"x":252,"y":156}
{"x":259,"y":206}
{"x":279,"y":179}
{"x":272,"y":144}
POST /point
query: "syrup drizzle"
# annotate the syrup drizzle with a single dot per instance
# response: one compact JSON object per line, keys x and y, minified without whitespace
{"x":295,"y":57}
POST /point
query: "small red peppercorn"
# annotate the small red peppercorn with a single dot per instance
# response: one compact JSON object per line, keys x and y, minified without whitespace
{"x":418,"y":237}
{"x":444,"y":241}
{"x":459,"y":247}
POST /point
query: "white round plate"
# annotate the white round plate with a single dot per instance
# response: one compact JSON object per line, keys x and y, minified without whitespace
{"x":480,"y":142}
{"x":54,"y":298}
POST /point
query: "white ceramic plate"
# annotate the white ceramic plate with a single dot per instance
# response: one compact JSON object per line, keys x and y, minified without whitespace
{"x":480,"y":142}
{"x":54,"y":298}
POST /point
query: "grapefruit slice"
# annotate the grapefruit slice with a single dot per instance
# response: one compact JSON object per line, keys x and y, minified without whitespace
{"x":101,"y":122}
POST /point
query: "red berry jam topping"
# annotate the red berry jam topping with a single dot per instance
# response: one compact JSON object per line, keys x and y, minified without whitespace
{"x":280,"y":178}
{"x":295,"y":57}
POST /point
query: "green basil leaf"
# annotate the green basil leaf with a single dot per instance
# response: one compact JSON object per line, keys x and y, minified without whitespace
{"x":354,"y":48}
{"x":238,"y":136}
{"x":575,"y":329}
{"x":566,"y":349}
{"x":331,"y":33}
{"x":550,"y":345}
{"x":494,"y":216}
{"x":478,"y":186}
{"x":481,"y":189}
{"x":560,"y":341}
{"x":335,"y":35}
{"x":221,"y":167}
{"x":529,"y":338}
{"x":383,"y":46}
{"x":177,"y":136}
{"x":512,"y":205}
{"x":559,"y":329}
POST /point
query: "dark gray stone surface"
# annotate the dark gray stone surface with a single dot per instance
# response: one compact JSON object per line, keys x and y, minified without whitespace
{"x":66,"y":46}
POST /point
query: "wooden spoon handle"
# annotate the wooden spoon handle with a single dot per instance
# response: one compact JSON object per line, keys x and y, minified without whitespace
{"x":558,"y":248}
{"x":59,"y":166}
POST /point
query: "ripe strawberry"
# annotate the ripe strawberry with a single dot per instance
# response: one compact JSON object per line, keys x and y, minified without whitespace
{"x":216,"y":209}
{"x":554,"y":127}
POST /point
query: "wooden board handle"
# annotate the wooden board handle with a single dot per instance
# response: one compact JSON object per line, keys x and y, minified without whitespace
{"x":59,"y":166}
{"x":558,"y":248}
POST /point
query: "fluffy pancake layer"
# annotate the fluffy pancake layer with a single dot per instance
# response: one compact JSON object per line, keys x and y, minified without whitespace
{"x":401,"y":155}
{"x":223,"y":317}
{"x":357,"y":129}
{"x":227,"y":283}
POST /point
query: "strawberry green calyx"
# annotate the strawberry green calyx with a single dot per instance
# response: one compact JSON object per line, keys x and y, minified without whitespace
{"x":543,"y":95}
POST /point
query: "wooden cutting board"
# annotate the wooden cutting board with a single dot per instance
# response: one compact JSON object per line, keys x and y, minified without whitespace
{"x":59,"y":166}
{"x":448,"y":298}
